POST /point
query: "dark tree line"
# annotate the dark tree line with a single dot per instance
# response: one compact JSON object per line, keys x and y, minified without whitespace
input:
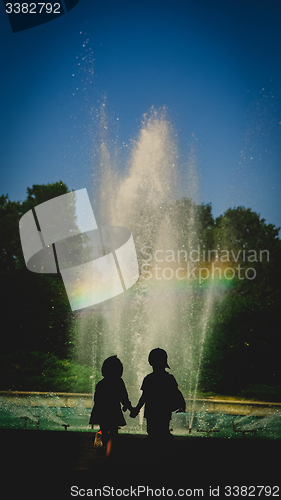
{"x":242,"y":346}
{"x":37,"y":324}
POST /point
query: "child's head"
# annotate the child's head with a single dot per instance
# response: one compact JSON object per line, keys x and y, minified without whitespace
{"x":158,"y":359}
{"x":112,"y":367}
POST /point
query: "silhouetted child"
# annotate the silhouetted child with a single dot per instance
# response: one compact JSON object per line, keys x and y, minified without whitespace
{"x":160,"y":395}
{"x":109,"y":393}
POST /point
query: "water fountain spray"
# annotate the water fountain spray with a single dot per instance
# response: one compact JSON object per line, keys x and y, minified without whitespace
{"x":159,"y":311}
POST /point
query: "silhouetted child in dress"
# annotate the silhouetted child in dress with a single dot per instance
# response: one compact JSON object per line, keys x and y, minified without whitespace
{"x":109,"y":393}
{"x":160,"y":395}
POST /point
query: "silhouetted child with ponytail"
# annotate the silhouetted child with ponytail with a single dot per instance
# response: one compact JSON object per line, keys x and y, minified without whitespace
{"x":109,"y":393}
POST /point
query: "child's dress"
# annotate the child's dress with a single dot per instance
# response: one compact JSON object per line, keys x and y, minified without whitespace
{"x":109,"y":393}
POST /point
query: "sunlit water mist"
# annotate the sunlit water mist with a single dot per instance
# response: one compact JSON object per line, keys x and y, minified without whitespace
{"x":166,"y":312}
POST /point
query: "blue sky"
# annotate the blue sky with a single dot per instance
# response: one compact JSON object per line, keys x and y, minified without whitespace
{"x":215,"y":66}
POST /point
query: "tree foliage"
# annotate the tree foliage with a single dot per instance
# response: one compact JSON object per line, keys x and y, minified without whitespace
{"x":39,"y":371}
{"x":35,"y":306}
{"x":242,"y":345}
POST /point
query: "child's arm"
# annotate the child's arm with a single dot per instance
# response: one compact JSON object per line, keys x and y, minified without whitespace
{"x":127,"y":406}
{"x":135,"y":411}
{"x":125,"y":399}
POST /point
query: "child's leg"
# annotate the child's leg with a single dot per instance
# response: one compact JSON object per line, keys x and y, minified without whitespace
{"x":98,"y":439}
{"x":113,"y":432}
{"x":105,"y":435}
{"x":111,"y":436}
{"x":152,"y":427}
{"x":158,"y":426}
{"x":108,"y":434}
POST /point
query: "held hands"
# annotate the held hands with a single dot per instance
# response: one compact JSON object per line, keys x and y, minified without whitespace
{"x":127,"y":406}
{"x":135,"y":411}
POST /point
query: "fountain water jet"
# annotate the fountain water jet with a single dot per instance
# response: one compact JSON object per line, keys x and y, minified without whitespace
{"x":167,"y":312}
